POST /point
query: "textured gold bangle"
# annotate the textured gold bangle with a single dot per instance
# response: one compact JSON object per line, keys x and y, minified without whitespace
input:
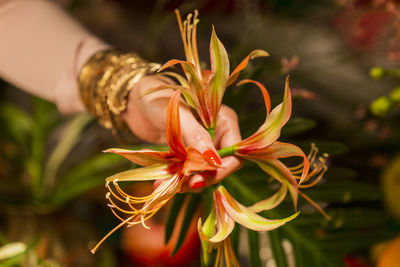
{"x":105,"y":81}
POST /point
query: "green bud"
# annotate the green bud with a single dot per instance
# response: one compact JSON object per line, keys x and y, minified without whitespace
{"x":380,"y":106}
{"x":378,"y":73}
{"x":395,"y":95}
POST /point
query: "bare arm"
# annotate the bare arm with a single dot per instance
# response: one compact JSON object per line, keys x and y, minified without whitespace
{"x":42,"y":49}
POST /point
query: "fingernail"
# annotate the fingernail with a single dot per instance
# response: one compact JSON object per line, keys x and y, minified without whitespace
{"x":198,"y":185}
{"x":212,"y":157}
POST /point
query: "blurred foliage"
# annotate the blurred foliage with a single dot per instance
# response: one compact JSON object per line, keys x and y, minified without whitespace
{"x":47,"y":161}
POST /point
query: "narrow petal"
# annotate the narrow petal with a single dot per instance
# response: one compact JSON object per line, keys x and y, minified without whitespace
{"x":264,"y":91}
{"x":271,"y":202}
{"x":282,"y":174}
{"x":145,"y":157}
{"x":279,"y":150}
{"x":174,"y":134}
{"x":219,"y":73}
{"x":195,"y":161}
{"x":270,"y":131}
{"x":187,"y":94}
{"x":224,"y":224}
{"x":246,"y":217}
{"x":171,"y":63}
{"x":235,"y":73}
{"x":182,"y":81}
{"x":206,"y":231}
{"x":154,"y":172}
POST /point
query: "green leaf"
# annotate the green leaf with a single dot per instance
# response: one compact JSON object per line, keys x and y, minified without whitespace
{"x":173,"y":215}
{"x":254,"y":248}
{"x":69,"y":139}
{"x":90,"y":173}
{"x":277,"y":248}
{"x":17,"y":124}
{"x":297,"y":126}
{"x":191,"y":208}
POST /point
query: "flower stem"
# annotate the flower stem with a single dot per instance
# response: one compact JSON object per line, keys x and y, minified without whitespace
{"x":226,"y":151}
{"x":211,"y":131}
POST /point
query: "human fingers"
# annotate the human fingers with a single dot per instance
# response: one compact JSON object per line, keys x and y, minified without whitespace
{"x":227,"y":134}
{"x":145,"y":114}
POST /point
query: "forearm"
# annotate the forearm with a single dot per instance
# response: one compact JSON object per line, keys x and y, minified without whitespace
{"x":43,"y":49}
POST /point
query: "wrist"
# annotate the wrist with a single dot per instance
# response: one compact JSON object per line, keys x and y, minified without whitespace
{"x":105,"y":82}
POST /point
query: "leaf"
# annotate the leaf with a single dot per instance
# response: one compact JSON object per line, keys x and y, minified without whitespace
{"x":11,"y":250}
{"x":173,"y":215}
{"x":86,"y":175}
{"x":296,"y":126}
{"x":17,"y":124}
{"x":68,"y":140}
{"x":277,"y":248}
{"x":254,"y":248}
{"x":191,"y":208}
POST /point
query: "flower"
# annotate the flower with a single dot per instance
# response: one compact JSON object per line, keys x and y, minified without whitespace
{"x":263,"y":148}
{"x":221,"y":221}
{"x":171,"y":167}
{"x":203,"y":89}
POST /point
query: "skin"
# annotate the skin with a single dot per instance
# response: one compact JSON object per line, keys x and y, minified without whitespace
{"x":143,"y":118}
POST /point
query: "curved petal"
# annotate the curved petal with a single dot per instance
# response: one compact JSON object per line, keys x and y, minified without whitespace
{"x":270,"y":131}
{"x":189,"y":70}
{"x":248,"y":218}
{"x":264,"y":91}
{"x":206,"y":231}
{"x":219,"y":76}
{"x":171,"y":63}
{"x":280,"y":172}
{"x":224,"y":224}
{"x":190,"y":99}
{"x":278,"y":150}
{"x":174,"y":134}
{"x":183,"y":82}
{"x":195,"y":161}
{"x":254,"y":54}
{"x":145,"y":157}
{"x":155,"y":172}
{"x":271,"y":202}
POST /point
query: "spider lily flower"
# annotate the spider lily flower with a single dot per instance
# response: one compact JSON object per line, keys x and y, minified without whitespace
{"x":263,"y":148}
{"x":203,"y":89}
{"x":221,"y":221}
{"x":172,"y":167}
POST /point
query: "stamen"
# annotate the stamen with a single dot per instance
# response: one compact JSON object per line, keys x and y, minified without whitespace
{"x":182,"y":30}
{"x":315,"y":205}
{"x":110,"y":233}
{"x":144,"y":225}
{"x":188,"y":36}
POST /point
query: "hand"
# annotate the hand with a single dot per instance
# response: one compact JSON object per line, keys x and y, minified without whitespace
{"x":146,"y":117}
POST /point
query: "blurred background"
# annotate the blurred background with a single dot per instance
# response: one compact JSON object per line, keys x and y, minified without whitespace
{"x":343,"y":59}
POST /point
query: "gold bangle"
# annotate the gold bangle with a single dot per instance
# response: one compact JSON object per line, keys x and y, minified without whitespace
{"x":105,"y":81}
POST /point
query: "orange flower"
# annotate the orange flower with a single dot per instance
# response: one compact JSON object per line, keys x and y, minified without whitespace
{"x":221,"y":221}
{"x":263,"y":148}
{"x":203,"y":89}
{"x":172,"y":167}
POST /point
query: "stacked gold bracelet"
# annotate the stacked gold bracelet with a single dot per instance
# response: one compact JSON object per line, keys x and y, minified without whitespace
{"x":106,"y":80}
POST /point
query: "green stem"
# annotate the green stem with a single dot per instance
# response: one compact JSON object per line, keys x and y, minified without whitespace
{"x":226,"y":151}
{"x":211,"y":131}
